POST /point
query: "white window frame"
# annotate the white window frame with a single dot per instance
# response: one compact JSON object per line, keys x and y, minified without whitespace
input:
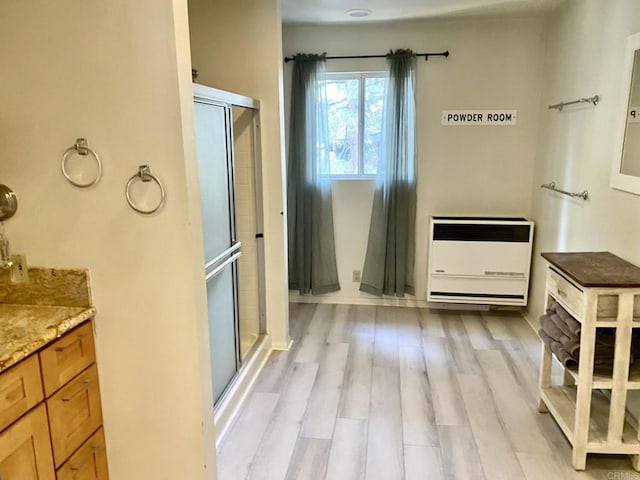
{"x":360,"y":76}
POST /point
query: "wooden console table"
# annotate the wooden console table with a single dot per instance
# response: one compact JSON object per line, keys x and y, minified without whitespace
{"x":599,"y":290}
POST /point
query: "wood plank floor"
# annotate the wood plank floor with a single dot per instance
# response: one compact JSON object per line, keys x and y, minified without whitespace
{"x":383,"y":393}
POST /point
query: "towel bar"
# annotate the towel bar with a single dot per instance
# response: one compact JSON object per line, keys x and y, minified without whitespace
{"x":552,"y":186}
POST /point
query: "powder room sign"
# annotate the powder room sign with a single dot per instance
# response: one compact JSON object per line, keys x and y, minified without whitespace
{"x":453,"y":118}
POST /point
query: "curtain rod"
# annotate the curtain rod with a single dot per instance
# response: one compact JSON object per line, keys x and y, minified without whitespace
{"x":425,"y":55}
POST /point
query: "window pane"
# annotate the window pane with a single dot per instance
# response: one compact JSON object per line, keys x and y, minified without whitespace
{"x":373,"y":105}
{"x":343,"y":98}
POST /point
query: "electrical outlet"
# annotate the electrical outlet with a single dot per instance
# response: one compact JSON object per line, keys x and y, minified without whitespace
{"x":19,"y":270}
{"x":355,"y":276}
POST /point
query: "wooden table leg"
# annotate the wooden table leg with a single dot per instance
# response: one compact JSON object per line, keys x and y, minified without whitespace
{"x":545,"y":376}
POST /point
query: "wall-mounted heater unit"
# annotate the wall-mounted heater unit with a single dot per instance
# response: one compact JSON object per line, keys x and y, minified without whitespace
{"x":479,"y":260}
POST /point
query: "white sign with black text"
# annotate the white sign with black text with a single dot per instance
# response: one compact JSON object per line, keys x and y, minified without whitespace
{"x":634,"y":114}
{"x":453,"y":118}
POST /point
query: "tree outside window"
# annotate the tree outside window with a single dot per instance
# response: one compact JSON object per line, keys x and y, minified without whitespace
{"x":355,"y":105}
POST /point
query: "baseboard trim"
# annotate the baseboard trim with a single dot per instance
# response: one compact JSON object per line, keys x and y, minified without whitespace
{"x":374,"y":301}
{"x":226,"y":412}
{"x":529,"y":319}
{"x":282,"y":347}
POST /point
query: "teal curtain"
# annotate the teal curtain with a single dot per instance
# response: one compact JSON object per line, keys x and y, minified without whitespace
{"x":312,"y":256}
{"x":389,"y":262}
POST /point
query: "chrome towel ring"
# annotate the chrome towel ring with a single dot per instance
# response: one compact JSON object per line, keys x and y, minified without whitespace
{"x":144,"y":174}
{"x":81,"y":147}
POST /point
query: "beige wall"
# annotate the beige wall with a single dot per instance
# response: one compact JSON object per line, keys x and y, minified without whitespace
{"x":461,"y":170}
{"x":237,"y":46}
{"x":118,"y":73}
{"x":585,"y":57}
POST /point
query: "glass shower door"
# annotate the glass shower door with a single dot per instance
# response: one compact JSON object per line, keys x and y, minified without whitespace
{"x":215,"y":168}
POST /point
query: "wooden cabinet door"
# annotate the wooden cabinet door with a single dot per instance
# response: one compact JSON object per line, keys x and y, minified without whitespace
{"x":25,"y":449}
{"x":74,"y":414}
{"x":20,"y":389}
{"x":65,"y":358}
{"x":89,"y":462}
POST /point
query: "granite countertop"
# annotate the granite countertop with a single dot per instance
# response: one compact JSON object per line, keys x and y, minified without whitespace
{"x":37,"y":312}
{"x":24,"y":329}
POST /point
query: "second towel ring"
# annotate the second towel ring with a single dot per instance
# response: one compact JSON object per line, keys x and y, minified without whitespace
{"x":82,"y":148}
{"x":144,"y":174}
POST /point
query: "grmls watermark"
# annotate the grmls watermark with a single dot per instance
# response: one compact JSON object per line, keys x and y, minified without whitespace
{"x":623,"y":475}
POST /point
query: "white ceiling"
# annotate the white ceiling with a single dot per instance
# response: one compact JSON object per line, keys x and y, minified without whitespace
{"x":334,"y":11}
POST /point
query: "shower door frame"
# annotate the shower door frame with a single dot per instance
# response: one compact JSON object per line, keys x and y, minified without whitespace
{"x":228,"y":100}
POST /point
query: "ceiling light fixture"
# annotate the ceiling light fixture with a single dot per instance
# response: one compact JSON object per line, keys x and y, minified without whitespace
{"x":358,"y":12}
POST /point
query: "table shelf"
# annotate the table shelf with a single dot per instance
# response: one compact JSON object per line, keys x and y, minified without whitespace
{"x":561,"y":402}
{"x":604,"y":380}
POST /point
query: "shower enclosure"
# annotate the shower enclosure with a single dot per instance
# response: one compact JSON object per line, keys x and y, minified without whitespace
{"x":227,"y":139}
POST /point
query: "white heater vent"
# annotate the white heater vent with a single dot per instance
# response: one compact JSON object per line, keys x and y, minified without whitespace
{"x":479,"y":260}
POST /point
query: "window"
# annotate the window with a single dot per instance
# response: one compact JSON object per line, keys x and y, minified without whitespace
{"x":355,"y":103}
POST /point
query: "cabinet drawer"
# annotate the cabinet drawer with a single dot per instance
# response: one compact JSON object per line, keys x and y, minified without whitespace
{"x":67,"y":357}
{"x":89,"y":462}
{"x":74,"y":414}
{"x":25,"y":453}
{"x":570,"y":296}
{"x":20,"y":389}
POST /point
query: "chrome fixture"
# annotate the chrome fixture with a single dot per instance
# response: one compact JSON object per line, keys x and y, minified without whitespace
{"x":144,"y":174}
{"x":593,"y":100}
{"x":5,"y":255}
{"x":81,"y":147}
{"x":584,"y":195}
{"x":8,"y":207}
{"x":8,"y":202}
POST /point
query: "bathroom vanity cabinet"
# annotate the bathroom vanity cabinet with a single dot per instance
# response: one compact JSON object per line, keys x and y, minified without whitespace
{"x":601,"y":291}
{"x":50,"y":413}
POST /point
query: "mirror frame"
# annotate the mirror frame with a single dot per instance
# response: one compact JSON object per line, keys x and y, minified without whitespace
{"x":620,"y":181}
